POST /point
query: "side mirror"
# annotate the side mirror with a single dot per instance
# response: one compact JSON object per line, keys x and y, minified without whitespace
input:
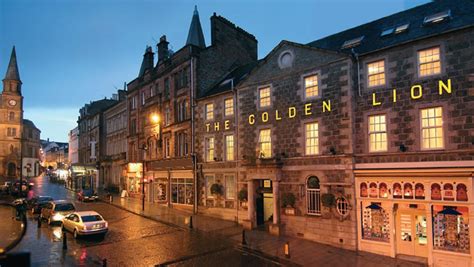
{"x":13,"y":227}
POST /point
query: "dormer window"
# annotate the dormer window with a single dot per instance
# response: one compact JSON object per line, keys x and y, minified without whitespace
{"x":353,"y":42}
{"x":402,"y":28}
{"x":438,"y":17}
{"x":387,"y":32}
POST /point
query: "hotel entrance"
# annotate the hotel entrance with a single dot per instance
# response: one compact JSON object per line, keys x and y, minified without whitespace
{"x":411,"y":234}
{"x":264,"y":202}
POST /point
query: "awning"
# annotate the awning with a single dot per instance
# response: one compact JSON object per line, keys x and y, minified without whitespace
{"x":450,"y":211}
{"x":82,"y":169}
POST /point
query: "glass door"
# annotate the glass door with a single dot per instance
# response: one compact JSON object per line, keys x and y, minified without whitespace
{"x":412,"y":236}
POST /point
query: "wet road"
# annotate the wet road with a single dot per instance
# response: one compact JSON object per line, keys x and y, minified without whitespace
{"x":131,"y":241}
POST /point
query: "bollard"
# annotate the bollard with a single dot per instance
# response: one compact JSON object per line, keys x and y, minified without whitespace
{"x":191,"y":222}
{"x":244,"y":242}
{"x":111,"y":198}
{"x":287,"y":249}
{"x":64,"y":240}
{"x":104,"y":262}
{"x":39,"y":222}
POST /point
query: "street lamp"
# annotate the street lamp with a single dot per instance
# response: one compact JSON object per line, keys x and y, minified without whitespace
{"x":155,"y":120}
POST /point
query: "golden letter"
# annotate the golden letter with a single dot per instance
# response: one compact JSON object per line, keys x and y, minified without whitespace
{"x":251,"y":119}
{"x":265,"y":116}
{"x":394,"y":91}
{"x":327,"y":106}
{"x":216,"y":126}
{"x":207,"y":126}
{"x":442,"y":86}
{"x":307,"y":109}
{"x":291,"y":112}
{"x":374,"y":101}
{"x":277,"y":116}
{"x":226,"y":124}
{"x":420,"y":91}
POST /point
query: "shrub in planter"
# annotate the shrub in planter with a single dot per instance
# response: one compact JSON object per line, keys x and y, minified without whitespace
{"x":217,"y":189}
{"x":328,"y":200}
{"x":243,"y":195}
{"x":288,"y":200}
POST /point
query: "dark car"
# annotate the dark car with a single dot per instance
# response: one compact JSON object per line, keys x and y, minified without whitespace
{"x":37,"y":203}
{"x":16,"y":188}
{"x":87,"y":195}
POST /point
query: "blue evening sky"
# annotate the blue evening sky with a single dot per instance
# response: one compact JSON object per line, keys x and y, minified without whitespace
{"x":71,"y":52}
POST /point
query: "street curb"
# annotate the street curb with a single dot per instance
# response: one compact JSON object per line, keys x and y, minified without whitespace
{"x":144,"y":215}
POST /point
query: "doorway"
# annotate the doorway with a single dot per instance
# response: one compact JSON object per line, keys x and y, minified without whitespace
{"x":264,"y":201}
{"x":412,"y":236}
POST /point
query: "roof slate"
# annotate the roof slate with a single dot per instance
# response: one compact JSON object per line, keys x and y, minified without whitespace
{"x":461,"y":17}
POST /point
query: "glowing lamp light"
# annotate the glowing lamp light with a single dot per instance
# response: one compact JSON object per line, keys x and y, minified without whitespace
{"x":155,"y":118}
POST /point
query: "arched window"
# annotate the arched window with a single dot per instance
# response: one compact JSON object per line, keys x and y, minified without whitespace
{"x":407,"y":190}
{"x":435,"y":192}
{"x":448,"y":192}
{"x":363,"y":190}
{"x":419,"y":191}
{"x":383,"y":191}
{"x":397,"y":190}
{"x":461,"y":192}
{"x":313,"y":196}
{"x":373,"y":192}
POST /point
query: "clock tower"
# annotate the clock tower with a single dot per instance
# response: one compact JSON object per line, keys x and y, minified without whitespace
{"x":11,"y":121}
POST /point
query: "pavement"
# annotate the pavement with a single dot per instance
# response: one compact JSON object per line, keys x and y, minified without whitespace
{"x":258,"y":242}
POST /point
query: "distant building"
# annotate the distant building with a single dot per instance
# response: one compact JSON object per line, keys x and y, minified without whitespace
{"x":55,"y":154}
{"x":74,"y":146}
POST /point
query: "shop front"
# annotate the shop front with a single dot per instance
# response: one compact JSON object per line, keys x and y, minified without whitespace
{"x":82,"y":177}
{"x":134,"y":179}
{"x":422,"y":215}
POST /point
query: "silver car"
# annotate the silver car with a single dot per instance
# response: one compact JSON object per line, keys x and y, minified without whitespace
{"x":85,"y":223}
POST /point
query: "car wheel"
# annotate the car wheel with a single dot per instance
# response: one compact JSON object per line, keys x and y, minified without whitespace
{"x":76,"y":235}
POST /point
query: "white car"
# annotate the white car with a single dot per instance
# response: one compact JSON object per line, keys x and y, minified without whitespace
{"x":85,"y":223}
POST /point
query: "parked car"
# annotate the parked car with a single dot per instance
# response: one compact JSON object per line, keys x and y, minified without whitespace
{"x":85,"y":223}
{"x":37,"y":203}
{"x":87,"y":195}
{"x":55,"y":211}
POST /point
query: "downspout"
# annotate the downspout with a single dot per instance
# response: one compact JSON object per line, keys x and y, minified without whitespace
{"x":352,"y":112}
{"x":193,"y":154}
{"x":356,"y":57}
{"x":236,"y":130}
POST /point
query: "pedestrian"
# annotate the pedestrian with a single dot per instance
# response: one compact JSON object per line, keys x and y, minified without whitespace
{"x":31,"y":193}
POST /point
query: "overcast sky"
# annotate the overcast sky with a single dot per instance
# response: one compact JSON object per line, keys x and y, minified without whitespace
{"x":71,"y":52}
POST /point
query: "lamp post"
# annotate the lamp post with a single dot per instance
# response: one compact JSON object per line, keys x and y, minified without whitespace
{"x":155,"y":120}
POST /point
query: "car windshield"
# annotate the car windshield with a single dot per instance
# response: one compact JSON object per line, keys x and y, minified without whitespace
{"x":44,"y":199}
{"x":91,"y":218}
{"x":64,"y":207}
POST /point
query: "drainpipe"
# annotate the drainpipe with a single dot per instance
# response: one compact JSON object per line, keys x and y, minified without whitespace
{"x":356,"y":57}
{"x":236,"y":130}
{"x":193,"y":154}
{"x":352,"y":112}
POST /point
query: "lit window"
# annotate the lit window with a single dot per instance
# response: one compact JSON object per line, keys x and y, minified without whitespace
{"x":229,"y":186}
{"x":429,"y":61}
{"x":229,"y":147}
{"x":432,"y":128}
{"x":209,"y":111}
{"x":229,"y":107}
{"x":313,"y":196}
{"x":311,"y":86}
{"x":264,"y":97}
{"x":210,"y":149}
{"x":312,"y":139}
{"x":265,"y":143}
{"x":377,"y":133}
{"x":376,"y":73}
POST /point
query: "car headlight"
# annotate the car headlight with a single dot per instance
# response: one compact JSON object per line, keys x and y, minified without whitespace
{"x":58,"y":217}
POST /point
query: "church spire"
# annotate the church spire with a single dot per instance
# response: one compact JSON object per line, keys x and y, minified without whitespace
{"x":12,"y":82}
{"x":195,"y":35}
{"x":12,"y":71}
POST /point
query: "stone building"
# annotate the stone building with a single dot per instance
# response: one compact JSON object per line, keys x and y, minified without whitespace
{"x":413,"y":132}
{"x":114,"y":164}
{"x":11,"y":118}
{"x":31,"y":149}
{"x":91,"y":145}
{"x":161,"y":116}
{"x":74,"y":146}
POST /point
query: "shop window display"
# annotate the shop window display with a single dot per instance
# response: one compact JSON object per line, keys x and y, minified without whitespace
{"x":363,"y":190}
{"x":182,"y":191}
{"x":375,"y":223}
{"x":419,"y":191}
{"x":448,"y":192}
{"x":383,"y":191}
{"x":373,"y":190}
{"x":461,"y":192}
{"x":435,"y":192}
{"x":407,"y":191}
{"x":451,"y":228}
{"x":397,"y":190}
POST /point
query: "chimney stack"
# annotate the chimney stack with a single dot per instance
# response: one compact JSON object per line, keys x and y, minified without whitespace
{"x":162,"y":49}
